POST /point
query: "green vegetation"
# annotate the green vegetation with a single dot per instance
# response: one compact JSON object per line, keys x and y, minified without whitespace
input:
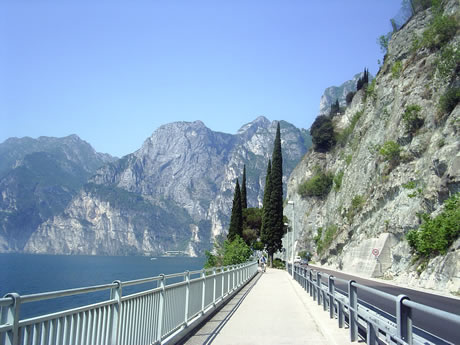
{"x":436,"y":235}
{"x":348,"y":159}
{"x":228,"y":253}
{"x":364,"y":80}
{"x":356,"y":206}
{"x":349,"y":97}
{"x":273,"y":223}
{"x":324,"y":242}
{"x":322,"y":132}
{"x":252,"y":223}
{"x":391,"y":152}
{"x":448,"y":61}
{"x":338,"y":180}
{"x":410,"y":185}
{"x":396,"y":70}
{"x":236,"y":219}
{"x":440,"y":31}
{"x":318,"y":185}
{"x":449,"y":100}
{"x":383,"y":42}
{"x":279,"y":264}
{"x":370,"y":90}
{"x":342,"y":138}
{"x":412,"y":119}
{"x":335,"y":108}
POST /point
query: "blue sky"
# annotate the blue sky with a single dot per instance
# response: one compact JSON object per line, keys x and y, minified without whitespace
{"x":114,"y":71}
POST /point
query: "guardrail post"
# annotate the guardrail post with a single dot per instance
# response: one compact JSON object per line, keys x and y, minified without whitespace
{"x":310,"y":283}
{"x":353,"y":310}
{"x":404,"y":319}
{"x":340,"y":316}
{"x":161,"y":308}
{"x":318,"y":287}
{"x":331,"y":286}
{"x":203,"y":276}
{"x":187,"y":296}
{"x":115,"y":293}
{"x":12,"y":318}
{"x":214,"y":287}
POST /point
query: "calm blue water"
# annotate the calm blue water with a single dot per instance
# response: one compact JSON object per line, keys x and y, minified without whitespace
{"x":26,"y":274}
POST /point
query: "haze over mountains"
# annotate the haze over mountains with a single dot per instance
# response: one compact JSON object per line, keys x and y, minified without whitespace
{"x":60,"y":196}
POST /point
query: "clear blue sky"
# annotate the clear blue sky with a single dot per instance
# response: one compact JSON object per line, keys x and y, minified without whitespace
{"x":114,"y":71}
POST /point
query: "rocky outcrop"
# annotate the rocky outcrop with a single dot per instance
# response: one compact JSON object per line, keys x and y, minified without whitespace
{"x":174,"y":193}
{"x":375,"y":202}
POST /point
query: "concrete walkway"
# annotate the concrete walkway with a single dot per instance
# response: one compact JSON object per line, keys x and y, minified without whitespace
{"x":272,"y":309}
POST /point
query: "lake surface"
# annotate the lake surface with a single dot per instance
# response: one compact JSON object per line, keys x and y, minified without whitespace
{"x":27,"y":274}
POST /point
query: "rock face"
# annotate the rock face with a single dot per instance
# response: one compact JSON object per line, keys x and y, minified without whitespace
{"x":374,"y":202}
{"x":38,"y":178}
{"x":173,"y":194}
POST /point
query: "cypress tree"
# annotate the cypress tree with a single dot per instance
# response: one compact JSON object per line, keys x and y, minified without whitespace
{"x":266,"y":206}
{"x":244,"y":200}
{"x":272,"y":231}
{"x":236,"y":220}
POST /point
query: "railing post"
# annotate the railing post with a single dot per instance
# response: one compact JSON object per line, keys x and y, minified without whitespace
{"x":331,"y":286}
{"x":161,"y":308}
{"x":12,"y":318}
{"x":187,"y":296}
{"x":404,"y":319}
{"x":222,"y":277}
{"x":115,"y":293}
{"x":203,"y":277}
{"x":340,"y":316}
{"x":318,"y":287}
{"x":214,"y":287}
{"x":353,"y":310}
{"x":310,"y":283}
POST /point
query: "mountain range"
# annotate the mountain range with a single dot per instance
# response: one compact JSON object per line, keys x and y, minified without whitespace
{"x":175,"y":193}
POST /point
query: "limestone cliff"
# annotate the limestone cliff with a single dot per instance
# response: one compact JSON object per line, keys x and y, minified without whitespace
{"x":374,"y":201}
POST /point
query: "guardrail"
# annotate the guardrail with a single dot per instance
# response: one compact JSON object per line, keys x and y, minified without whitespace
{"x":376,"y":327}
{"x":155,"y":316}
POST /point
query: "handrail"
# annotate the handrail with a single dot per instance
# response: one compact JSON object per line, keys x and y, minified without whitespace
{"x":157,"y":315}
{"x":376,"y":327}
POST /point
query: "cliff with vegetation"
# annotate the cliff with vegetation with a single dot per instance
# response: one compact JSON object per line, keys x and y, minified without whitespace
{"x":385,"y":174}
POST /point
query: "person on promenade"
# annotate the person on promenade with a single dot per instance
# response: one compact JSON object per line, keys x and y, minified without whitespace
{"x":262,"y":262}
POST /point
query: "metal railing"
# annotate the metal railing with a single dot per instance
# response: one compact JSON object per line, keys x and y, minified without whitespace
{"x":155,"y":316}
{"x":374,"y":327}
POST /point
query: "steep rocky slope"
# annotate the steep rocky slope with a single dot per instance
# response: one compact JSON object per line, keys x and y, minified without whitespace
{"x":375,"y":201}
{"x":174,"y":193}
{"x":38,"y":178}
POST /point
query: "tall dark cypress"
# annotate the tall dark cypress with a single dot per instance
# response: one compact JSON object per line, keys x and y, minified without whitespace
{"x":272,"y":227}
{"x":236,"y":220}
{"x":264,"y":232}
{"x":244,"y":199}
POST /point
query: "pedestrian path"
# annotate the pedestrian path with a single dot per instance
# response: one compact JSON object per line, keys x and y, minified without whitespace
{"x":272,"y":309}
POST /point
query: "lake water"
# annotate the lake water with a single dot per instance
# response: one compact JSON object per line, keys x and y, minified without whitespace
{"x":26,"y":274}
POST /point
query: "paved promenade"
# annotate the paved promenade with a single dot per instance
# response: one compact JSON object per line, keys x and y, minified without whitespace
{"x":271,"y":309}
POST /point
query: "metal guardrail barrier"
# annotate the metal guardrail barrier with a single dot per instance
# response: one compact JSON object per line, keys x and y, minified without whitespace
{"x":378,"y":329}
{"x":154,"y":316}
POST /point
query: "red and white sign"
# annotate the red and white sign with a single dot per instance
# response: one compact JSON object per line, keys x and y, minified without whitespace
{"x":375,"y":252}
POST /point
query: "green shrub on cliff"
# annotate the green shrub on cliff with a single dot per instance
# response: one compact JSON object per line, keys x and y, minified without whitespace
{"x":436,"y":235}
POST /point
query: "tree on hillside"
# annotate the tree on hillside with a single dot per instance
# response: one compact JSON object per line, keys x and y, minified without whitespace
{"x":364,"y":80}
{"x":244,"y":199}
{"x":322,"y":133}
{"x":335,"y":108}
{"x":236,"y":220}
{"x":272,"y":226}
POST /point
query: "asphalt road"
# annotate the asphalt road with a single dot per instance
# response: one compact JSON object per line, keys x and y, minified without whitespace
{"x":442,"y":328}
